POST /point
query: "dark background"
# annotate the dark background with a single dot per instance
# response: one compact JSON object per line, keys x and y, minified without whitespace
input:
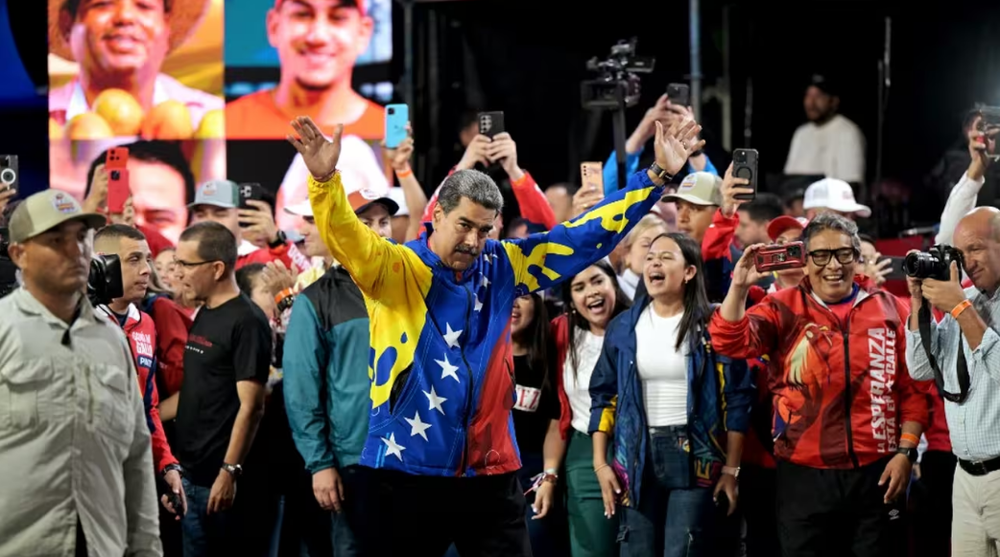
{"x":510,"y":55}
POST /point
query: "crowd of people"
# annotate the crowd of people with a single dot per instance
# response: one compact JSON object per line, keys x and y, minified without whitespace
{"x":607,"y":374}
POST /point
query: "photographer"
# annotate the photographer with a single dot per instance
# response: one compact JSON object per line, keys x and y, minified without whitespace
{"x":847,"y":418}
{"x":964,"y":348}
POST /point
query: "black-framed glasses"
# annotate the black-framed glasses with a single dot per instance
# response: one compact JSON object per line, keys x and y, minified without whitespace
{"x":845,"y":256}
{"x":192,"y":264}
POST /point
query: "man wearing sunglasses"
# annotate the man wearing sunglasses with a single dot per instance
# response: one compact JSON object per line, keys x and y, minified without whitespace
{"x":847,"y":415}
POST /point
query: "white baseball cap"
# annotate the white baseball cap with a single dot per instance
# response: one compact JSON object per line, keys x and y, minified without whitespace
{"x":396,"y":194}
{"x":836,"y":195}
{"x":300,"y":209}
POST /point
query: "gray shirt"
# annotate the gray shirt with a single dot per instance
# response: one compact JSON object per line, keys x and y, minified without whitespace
{"x":972,"y":424}
{"x":74,"y":444}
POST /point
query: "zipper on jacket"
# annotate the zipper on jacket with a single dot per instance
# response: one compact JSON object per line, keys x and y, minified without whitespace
{"x":469,"y":388}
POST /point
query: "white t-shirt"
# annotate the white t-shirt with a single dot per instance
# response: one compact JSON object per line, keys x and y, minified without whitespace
{"x":588,"y":346}
{"x":662,"y":368}
{"x":629,"y":283}
{"x":836,"y":149}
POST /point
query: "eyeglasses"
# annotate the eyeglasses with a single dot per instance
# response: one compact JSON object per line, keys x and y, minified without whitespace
{"x":821,"y":257}
{"x":192,"y":264}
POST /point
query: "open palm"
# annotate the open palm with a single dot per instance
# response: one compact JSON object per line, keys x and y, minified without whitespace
{"x":319,"y":153}
{"x":674,"y":146}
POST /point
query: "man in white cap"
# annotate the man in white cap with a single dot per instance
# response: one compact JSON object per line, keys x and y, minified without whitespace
{"x":122,"y":44}
{"x":74,"y":445}
{"x":831,"y":195}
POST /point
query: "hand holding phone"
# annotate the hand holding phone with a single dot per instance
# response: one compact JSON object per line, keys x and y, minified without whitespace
{"x":491,"y":124}
{"x":8,"y":173}
{"x":592,"y":178}
{"x":116,"y":165}
{"x":777,"y":257}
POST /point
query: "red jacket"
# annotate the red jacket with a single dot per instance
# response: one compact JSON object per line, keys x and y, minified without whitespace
{"x":534,"y":205}
{"x":141,"y":334}
{"x":157,"y":242}
{"x":819,"y":368}
{"x":560,"y":334}
{"x":172,"y":325}
{"x":266,"y":255}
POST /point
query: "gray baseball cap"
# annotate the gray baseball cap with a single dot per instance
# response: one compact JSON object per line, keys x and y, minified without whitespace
{"x":698,"y":188}
{"x":46,"y":210}
{"x":218,"y":193}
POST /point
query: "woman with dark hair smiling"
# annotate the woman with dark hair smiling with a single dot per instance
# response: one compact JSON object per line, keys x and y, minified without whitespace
{"x":676,"y":411}
{"x":592,"y":298}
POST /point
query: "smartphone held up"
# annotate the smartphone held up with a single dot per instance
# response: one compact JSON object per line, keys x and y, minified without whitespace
{"x":777,"y":257}
{"x":397,"y":116}
{"x":116,"y":165}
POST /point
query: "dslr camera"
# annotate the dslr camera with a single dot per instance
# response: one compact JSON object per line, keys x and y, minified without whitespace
{"x":105,"y":281}
{"x":935,"y":263}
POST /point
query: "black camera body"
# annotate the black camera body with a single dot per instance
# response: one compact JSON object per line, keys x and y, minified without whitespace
{"x":935,"y":263}
{"x":105,"y":281}
{"x":618,"y":83}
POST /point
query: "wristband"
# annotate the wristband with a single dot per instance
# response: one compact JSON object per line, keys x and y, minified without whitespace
{"x":284,"y":294}
{"x":911,"y":438}
{"x":522,"y":181}
{"x":964,"y":305}
{"x":404,"y":173}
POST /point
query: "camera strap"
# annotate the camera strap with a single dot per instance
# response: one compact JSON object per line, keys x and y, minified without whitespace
{"x":924,"y":323}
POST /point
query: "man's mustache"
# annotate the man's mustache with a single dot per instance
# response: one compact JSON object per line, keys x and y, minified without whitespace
{"x":466,"y":250}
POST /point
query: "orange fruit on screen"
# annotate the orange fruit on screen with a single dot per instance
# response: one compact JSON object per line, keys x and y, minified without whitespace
{"x":55,"y":130}
{"x":88,"y":126}
{"x":121,"y":111}
{"x":168,"y":120}
{"x":213,"y":125}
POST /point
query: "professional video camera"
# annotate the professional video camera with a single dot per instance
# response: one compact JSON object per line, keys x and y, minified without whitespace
{"x":618,"y":83}
{"x":105,"y":281}
{"x":935,"y":263}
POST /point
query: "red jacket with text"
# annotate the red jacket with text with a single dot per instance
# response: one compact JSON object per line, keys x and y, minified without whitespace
{"x":841,"y":391}
{"x":141,"y":334}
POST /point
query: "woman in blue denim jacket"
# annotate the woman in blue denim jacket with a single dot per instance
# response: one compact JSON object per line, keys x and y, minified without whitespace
{"x":677,"y":412}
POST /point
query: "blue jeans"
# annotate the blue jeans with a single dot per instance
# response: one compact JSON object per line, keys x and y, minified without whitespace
{"x":674,"y":518}
{"x":344,"y":524}
{"x":205,"y":534}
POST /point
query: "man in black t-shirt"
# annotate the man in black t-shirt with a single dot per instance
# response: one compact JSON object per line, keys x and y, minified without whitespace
{"x":226,"y":365}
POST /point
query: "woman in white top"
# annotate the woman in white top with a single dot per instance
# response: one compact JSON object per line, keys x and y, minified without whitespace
{"x":634,"y":248}
{"x":592,"y":298}
{"x":676,"y":410}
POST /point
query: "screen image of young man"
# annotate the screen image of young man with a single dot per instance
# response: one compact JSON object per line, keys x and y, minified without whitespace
{"x":318,"y":43}
{"x":120,"y":89}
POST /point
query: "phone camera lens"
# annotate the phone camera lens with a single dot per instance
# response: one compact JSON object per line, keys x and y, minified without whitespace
{"x":392,"y":111}
{"x":793,"y":251}
{"x":115,"y":175}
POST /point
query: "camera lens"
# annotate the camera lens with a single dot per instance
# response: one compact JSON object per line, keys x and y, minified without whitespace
{"x":793,"y":251}
{"x":920,"y":265}
{"x":8,"y":176}
{"x":392,"y":111}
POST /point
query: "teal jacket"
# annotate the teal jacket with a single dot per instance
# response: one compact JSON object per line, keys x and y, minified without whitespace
{"x":325,"y":368}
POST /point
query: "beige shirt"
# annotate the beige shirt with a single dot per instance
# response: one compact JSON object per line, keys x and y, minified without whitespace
{"x":73,"y":438}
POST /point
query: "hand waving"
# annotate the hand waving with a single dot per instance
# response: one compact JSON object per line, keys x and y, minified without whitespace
{"x":319,"y":153}
{"x":674,"y":146}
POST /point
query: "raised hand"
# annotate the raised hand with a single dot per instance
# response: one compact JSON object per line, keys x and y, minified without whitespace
{"x":400,"y":156}
{"x":475,"y":153}
{"x":731,"y":187}
{"x":319,"y":153}
{"x":745,"y":273}
{"x":504,"y":149}
{"x":674,"y":146}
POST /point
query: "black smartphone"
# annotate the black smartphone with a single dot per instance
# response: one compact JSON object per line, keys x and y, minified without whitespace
{"x":679,"y":93}
{"x":250,"y":191}
{"x":8,"y":172}
{"x":491,"y":124}
{"x":745,"y":166}
{"x":896,"y":270}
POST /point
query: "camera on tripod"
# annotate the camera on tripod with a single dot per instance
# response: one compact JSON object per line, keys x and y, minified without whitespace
{"x":105,"y":281}
{"x":618,"y":83}
{"x":935,"y":263}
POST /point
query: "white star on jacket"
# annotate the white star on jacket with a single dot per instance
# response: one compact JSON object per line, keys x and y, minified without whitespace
{"x":479,"y":305}
{"x":485,"y":282}
{"x":447,"y":369}
{"x":417,"y":426}
{"x":435,"y":400}
{"x":393,"y":448}
{"x":451,"y":336}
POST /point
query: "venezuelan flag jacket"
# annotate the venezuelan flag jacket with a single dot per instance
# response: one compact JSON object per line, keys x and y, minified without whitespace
{"x":440,"y":365}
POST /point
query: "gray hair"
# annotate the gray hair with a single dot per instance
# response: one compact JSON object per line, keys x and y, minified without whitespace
{"x":832,"y":221}
{"x":473,"y":185}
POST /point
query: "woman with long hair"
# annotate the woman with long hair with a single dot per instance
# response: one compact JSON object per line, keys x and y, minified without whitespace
{"x":592,"y":299}
{"x":675,"y":411}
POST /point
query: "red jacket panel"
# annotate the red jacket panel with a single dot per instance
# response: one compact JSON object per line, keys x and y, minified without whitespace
{"x":530,"y":198}
{"x":820,"y":367}
{"x":266,"y":255}
{"x":141,"y":334}
{"x":172,"y":325}
{"x":560,"y":334}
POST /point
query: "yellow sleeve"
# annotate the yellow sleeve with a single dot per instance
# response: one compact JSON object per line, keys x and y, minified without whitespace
{"x":369,"y":258}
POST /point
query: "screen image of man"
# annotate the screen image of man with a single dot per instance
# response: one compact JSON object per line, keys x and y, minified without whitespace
{"x":121,"y":45}
{"x":318,"y":43}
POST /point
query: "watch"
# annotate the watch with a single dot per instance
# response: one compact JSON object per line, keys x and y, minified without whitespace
{"x":234,"y":469}
{"x":733,"y":471}
{"x":171,"y":468}
{"x":660,"y":173}
{"x":280,"y":240}
{"x":910,"y":452}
